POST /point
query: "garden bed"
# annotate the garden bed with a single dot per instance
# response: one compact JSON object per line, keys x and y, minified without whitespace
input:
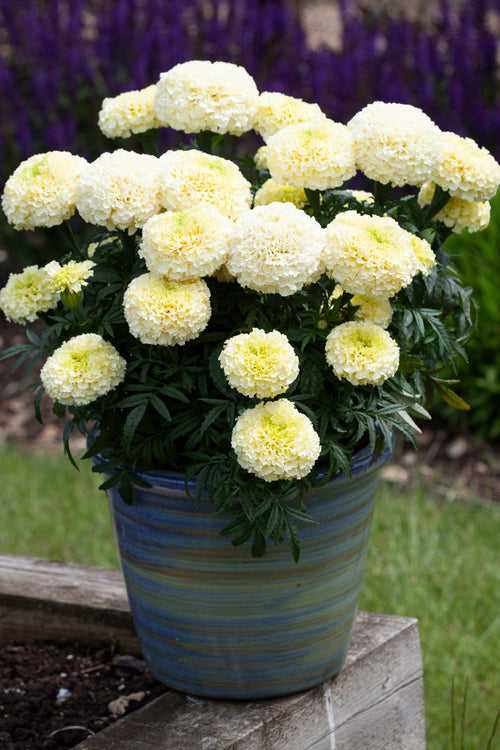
{"x":54,"y":695}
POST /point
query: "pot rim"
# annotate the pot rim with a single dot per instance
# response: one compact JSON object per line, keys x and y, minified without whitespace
{"x":363,"y":460}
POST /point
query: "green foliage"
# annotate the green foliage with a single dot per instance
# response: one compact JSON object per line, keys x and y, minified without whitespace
{"x":477,"y":257}
{"x":175,"y":410}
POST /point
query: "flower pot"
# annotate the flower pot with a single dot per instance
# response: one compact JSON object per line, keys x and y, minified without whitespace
{"x":215,"y":622}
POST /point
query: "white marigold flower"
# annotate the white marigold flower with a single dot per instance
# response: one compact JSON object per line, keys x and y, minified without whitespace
{"x":82,"y":370}
{"x":186,"y":244}
{"x":465,"y":169}
{"x":259,"y":364}
{"x":191,"y":177}
{"x":200,"y":95}
{"x":376,"y":310}
{"x":395,"y":143}
{"x":260,"y":158}
{"x":72,"y":276}
{"x":276,"y":111}
{"x":276,"y":249}
{"x":362,"y":353}
{"x":370,"y":255}
{"x":131,"y":112}
{"x":275,"y":441}
{"x":120,"y":190}
{"x":273,"y":191}
{"x":337,"y":292}
{"x":426,"y":259}
{"x":316,"y":155}
{"x":458,"y":215}
{"x":362,"y":196}
{"x":163,"y":312}
{"x":94,"y":246}
{"x":42,"y":190}
{"x":27,"y":294}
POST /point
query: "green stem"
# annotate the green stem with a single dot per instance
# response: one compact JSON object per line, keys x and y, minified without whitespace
{"x":314,"y":200}
{"x":66,"y":232}
{"x":439,"y":201}
{"x":208,"y":142}
{"x":381,"y":192}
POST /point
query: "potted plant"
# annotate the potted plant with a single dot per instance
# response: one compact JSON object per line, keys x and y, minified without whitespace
{"x":239,"y":339}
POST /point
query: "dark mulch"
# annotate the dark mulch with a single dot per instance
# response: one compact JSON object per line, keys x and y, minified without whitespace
{"x":55,"y":695}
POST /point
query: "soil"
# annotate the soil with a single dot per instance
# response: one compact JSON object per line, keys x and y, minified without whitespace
{"x":55,"y":695}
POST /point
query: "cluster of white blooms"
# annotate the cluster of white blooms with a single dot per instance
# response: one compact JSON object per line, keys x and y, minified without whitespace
{"x":275,"y":192}
{"x":457,"y":214}
{"x":276,"y":111}
{"x":275,"y":441}
{"x":372,"y":255}
{"x":82,"y":369}
{"x":27,"y":294}
{"x":186,"y":244}
{"x":94,"y":246}
{"x":316,"y":155}
{"x":465,"y":170}
{"x":42,"y":190}
{"x":395,"y":143}
{"x":259,"y":364}
{"x":71,"y":277}
{"x":200,"y":95}
{"x":196,"y":216}
{"x":362,"y":196}
{"x":376,"y":310}
{"x":163,"y":312}
{"x":362,"y":353}
{"x":119,"y":190}
{"x":275,"y":249}
{"x":191,"y":177}
{"x":128,"y":113}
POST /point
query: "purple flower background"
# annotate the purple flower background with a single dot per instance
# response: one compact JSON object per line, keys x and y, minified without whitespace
{"x":58,"y":59}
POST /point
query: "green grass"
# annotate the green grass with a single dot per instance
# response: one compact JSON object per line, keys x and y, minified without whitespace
{"x":48,"y":509}
{"x":436,"y":562}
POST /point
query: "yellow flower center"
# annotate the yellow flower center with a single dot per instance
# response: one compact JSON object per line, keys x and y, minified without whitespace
{"x":278,"y":433}
{"x":79,"y":360}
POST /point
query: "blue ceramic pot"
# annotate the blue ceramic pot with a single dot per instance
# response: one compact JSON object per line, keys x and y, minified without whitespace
{"x":215,"y":622}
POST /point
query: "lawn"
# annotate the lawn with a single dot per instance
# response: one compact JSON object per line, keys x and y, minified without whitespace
{"x":437,"y":562}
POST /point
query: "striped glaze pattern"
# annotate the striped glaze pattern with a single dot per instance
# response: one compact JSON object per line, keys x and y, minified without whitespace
{"x":213,"y":621}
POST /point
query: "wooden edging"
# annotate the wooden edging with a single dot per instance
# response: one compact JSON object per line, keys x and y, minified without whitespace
{"x":376,"y":703}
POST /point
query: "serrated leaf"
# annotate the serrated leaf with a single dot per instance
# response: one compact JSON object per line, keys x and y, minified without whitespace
{"x":39,"y":393}
{"x":100,"y":442}
{"x":160,"y":407}
{"x":132,"y":422}
{"x":409,"y":421}
{"x":175,"y":393}
{"x":13,"y":351}
{"x":68,"y":429}
{"x":258,"y":545}
{"x":452,"y":398}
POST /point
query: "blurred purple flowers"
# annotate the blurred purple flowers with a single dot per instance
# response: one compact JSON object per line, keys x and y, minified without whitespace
{"x":58,"y":59}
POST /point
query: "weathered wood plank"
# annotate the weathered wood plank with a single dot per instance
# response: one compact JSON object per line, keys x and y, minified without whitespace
{"x":376,"y":703}
{"x":59,"y":601}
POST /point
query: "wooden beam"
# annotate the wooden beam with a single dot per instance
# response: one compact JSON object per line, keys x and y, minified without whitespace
{"x":376,"y":703}
{"x":58,"y":601}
